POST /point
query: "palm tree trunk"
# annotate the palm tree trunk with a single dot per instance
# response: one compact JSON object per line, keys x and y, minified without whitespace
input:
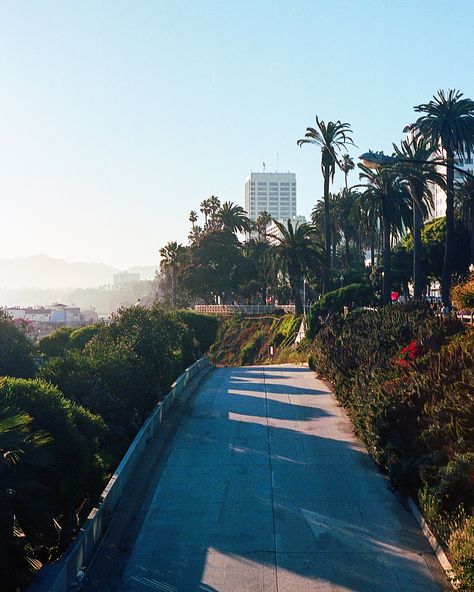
{"x":472,"y":245}
{"x":449,"y":241}
{"x":294,"y":277}
{"x":372,"y":250}
{"x":173,"y":289}
{"x":387,"y":262}
{"x":418,"y":279}
{"x":327,"y":232}
{"x":334,"y":248}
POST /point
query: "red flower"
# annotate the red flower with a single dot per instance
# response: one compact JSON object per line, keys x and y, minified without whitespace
{"x":409,"y":354}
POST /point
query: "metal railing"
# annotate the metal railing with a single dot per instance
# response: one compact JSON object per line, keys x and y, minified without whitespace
{"x":243,"y":309}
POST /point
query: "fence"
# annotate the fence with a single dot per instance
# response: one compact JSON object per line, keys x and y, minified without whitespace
{"x":60,"y":576}
{"x":466,"y":317}
{"x":243,"y":309}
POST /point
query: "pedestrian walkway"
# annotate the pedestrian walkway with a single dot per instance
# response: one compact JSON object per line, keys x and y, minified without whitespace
{"x":266,"y":489}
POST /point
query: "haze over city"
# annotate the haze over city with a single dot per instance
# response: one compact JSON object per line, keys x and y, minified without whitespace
{"x":109,"y":137}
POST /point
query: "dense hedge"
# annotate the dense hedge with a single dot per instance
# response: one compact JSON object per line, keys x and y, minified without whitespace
{"x":204,"y":328}
{"x":334,"y":302}
{"x":407,"y":381}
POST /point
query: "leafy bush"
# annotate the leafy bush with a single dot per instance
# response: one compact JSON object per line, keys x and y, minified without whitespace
{"x":406,"y":380}
{"x":80,"y":337}
{"x":16,"y":349}
{"x":124,"y":370}
{"x":55,"y":343}
{"x":461,"y":547}
{"x":334,"y":302}
{"x":204,"y":327}
{"x":78,"y":471}
{"x":463,"y":295}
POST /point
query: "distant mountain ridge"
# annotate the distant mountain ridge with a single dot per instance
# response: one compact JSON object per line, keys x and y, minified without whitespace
{"x":44,"y":272}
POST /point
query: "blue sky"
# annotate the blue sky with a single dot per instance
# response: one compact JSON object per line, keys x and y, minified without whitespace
{"x":119,"y":117}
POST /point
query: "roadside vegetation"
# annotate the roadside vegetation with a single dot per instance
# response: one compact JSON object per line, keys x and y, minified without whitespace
{"x":406,"y":379}
{"x":69,"y":409}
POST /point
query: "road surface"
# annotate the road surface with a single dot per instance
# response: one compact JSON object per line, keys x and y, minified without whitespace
{"x":266,"y":489}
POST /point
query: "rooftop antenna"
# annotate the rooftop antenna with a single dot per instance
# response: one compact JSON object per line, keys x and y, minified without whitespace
{"x":263,"y":167}
{"x":278,"y":161}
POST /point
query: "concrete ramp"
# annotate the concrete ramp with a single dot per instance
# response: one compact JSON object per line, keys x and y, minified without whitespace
{"x":266,"y":489}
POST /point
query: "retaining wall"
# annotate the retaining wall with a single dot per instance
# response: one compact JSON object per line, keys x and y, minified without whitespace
{"x":62,"y":576}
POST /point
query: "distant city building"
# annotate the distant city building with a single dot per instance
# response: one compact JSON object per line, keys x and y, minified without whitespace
{"x":273,"y":232}
{"x":125,"y":277}
{"x":57,"y":314}
{"x":274,"y":193}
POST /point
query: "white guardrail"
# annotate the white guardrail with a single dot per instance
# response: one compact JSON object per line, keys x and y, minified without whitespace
{"x":62,"y":576}
{"x":245,"y":309}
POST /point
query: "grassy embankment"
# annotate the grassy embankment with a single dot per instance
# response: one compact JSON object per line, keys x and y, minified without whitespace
{"x":247,"y":341}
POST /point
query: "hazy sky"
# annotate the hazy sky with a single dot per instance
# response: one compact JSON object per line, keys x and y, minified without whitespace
{"x":117,"y":117}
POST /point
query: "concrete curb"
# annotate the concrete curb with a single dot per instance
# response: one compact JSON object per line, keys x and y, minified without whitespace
{"x":64,"y":574}
{"x":433,"y":541}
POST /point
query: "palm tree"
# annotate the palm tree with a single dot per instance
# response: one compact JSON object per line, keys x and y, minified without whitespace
{"x":347,"y":165}
{"x":262,"y":222}
{"x":448,"y":122}
{"x":385,"y":198}
{"x":295,"y":253}
{"x":205,"y":208}
{"x":331,"y":138}
{"x":214,"y":206}
{"x":24,"y":456}
{"x":233,"y":217}
{"x":195,"y":234}
{"x":465,"y":203}
{"x":172,"y":257}
{"x":416,"y":167}
{"x":318,"y":217}
{"x":193,"y":217}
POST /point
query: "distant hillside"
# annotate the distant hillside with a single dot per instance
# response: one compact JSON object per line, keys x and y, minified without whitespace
{"x":41,"y":271}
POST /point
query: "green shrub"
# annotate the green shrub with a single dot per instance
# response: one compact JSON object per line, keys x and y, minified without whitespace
{"x":461,"y":548}
{"x":55,"y":343}
{"x":334,"y":302}
{"x":78,"y":472}
{"x":204,"y":327}
{"x":417,"y":419}
{"x":124,"y":370}
{"x":80,"y":337}
{"x":463,"y":295}
{"x":16,"y":349}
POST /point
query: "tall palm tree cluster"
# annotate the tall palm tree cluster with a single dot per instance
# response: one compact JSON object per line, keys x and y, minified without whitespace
{"x":391,"y":201}
{"x":395,"y":196}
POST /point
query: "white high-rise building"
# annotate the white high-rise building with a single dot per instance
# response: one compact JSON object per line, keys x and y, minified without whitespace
{"x":439,"y":195}
{"x":274,"y":193}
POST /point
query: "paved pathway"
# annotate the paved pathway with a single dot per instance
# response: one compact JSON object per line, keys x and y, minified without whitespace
{"x":266,"y":489}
